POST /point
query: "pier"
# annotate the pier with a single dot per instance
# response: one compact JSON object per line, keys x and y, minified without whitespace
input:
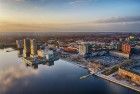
{"x":85,"y":76}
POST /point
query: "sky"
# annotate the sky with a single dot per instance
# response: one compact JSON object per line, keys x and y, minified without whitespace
{"x":70,"y":15}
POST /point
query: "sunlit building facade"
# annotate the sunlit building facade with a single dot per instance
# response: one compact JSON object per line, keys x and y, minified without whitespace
{"x":19,"y":44}
{"x":33,"y":47}
{"x":130,"y":75}
{"x":84,"y":48}
{"x":126,"y":48}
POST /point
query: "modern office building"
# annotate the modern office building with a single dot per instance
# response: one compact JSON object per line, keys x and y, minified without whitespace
{"x":26,"y":48}
{"x":33,"y":47}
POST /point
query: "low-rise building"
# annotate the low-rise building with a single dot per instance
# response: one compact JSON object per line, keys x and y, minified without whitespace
{"x":50,"y":55}
{"x":126,"y":48}
{"x":70,"y":49}
{"x":119,"y":54}
{"x":42,"y":53}
{"x":130,"y":73}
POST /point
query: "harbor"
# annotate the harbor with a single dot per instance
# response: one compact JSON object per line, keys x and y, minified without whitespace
{"x":99,"y":73}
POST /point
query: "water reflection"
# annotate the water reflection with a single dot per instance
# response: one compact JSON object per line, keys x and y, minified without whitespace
{"x":10,"y":75}
{"x":62,"y":77}
{"x":35,"y":65}
{"x":20,"y":53}
{"x":34,"y":62}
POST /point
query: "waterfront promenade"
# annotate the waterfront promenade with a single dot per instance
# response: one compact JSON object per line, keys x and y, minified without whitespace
{"x":120,"y":82}
{"x":109,"y":77}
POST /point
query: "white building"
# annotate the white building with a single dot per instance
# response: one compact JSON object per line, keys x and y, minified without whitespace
{"x":46,"y":54}
{"x":84,"y":48}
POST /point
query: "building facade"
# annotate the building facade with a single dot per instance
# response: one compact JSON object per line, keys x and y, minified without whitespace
{"x":19,"y":44}
{"x":26,"y":48}
{"x":33,"y":47}
{"x":42,"y":53}
{"x":84,"y":48}
{"x":126,"y":48}
{"x":130,"y":75}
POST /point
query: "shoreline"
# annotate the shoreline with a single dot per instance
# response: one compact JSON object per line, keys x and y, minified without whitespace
{"x":119,"y":82}
{"x":108,"y":78}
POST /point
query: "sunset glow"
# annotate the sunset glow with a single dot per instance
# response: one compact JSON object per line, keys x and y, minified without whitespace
{"x":63,"y":15}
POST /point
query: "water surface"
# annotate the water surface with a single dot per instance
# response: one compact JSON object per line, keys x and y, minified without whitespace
{"x":60,"y":78}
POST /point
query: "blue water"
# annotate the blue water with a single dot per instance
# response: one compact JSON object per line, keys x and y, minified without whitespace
{"x":60,"y":78}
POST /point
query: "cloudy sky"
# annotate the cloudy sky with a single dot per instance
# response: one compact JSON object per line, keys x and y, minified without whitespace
{"x":70,"y":15}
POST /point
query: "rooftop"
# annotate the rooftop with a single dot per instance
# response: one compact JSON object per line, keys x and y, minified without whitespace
{"x":133,"y":67}
{"x":108,"y":60}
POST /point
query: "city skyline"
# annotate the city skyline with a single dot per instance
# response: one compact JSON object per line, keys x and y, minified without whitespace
{"x":70,"y":15}
{"x":81,"y":60}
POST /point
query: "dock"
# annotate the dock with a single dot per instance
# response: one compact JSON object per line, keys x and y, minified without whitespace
{"x":85,"y":76}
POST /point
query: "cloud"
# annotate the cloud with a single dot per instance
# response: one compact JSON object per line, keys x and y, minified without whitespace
{"x":119,"y":19}
{"x":79,"y":2}
{"x":10,"y":75}
{"x":111,"y":24}
{"x":19,"y":0}
{"x":13,"y":0}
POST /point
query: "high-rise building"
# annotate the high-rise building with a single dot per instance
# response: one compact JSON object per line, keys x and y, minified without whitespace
{"x":19,"y":44}
{"x":84,"y":48}
{"x":26,"y":48}
{"x":33,"y":47}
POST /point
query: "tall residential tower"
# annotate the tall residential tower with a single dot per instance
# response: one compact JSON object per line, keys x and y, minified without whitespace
{"x":26,"y":48}
{"x":33,"y":47}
